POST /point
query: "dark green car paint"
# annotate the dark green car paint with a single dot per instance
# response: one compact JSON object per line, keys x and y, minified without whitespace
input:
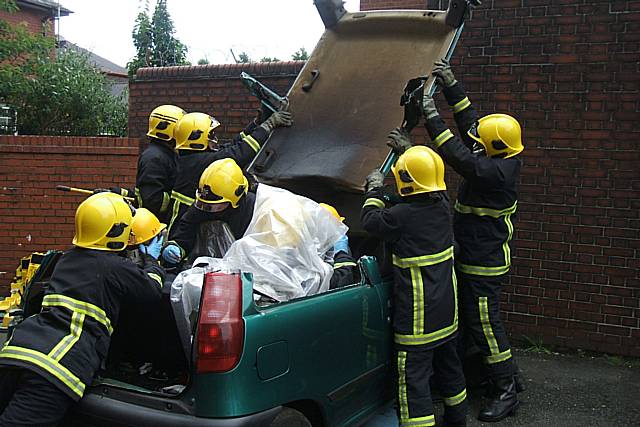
{"x":332,"y":349}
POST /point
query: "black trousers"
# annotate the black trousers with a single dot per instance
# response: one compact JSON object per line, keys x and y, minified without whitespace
{"x":28,"y":399}
{"x":413,"y":391}
{"x":480,"y":316}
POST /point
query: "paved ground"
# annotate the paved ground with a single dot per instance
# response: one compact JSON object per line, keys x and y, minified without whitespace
{"x":563,"y":391}
{"x":566,"y":391}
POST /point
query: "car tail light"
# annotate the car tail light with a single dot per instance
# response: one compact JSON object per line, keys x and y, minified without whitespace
{"x":220,"y":323}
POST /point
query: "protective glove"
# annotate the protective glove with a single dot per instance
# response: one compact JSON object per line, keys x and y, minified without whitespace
{"x":172,"y":254}
{"x":277,"y":119}
{"x":153,"y":248}
{"x":443,"y":74}
{"x":374,"y":180}
{"x":429,"y":109}
{"x":399,"y":141}
{"x":342,"y":245}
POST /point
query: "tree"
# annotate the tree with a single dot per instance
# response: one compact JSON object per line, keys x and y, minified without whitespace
{"x":244,"y":58}
{"x":154,"y":39}
{"x":69,"y":96}
{"x":203,"y":61}
{"x":300,"y":55}
{"x":269,"y":59}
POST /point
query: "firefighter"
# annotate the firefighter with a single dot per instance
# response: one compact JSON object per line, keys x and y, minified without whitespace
{"x":198,"y":147}
{"x":157,"y":165}
{"x":146,"y":228}
{"x":344,"y":266}
{"x":53,"y":356}
{"x":222,"y":195}
{"x":425,"y":317}
{"x":486,"y":158}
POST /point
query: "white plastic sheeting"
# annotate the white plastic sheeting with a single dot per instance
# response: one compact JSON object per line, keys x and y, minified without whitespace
{"x":284,"y":245}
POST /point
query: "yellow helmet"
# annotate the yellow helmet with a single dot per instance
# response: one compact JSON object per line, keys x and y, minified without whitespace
{"x":194,"y":131}
{"x":222,"y":181}
{"x":145,"y":226}
{"x":103,"y":222}
{"x":332,"y":211}
{"x":162,"y":121}
{"x":419,"y":170}
{"x":499,"y":134}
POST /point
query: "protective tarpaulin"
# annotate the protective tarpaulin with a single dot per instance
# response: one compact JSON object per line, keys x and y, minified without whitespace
{"x":284,"y":245}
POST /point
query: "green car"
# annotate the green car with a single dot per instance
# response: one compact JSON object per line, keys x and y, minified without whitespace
{"x":321,"y":360}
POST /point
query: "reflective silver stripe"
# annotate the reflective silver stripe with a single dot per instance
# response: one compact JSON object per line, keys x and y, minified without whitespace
{"x":343,"y":264}
{"x":427,"y":421}
{"x":402,"y":385}
{"x":497,"y":358}
{"x":252,"y":142}
{"x":166,"y":200}
{"x":138,"y":197}
{"x":457,"y":399}
{"x":156,"y":278}
{"x":93,"y":311}
{"x":65,"y":344}
{"x":373,"y":202}
{"x":494,"y":213}
{"x":47,"y":363}
{"x":182,"y":198}
{"x":478,"y":270}
{"x":424,"y":260}
{"x":461,"y":105}
{"x":442,"y":138}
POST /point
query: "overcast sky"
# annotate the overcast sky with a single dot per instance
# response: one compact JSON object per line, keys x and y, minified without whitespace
{"x":209,"y":28}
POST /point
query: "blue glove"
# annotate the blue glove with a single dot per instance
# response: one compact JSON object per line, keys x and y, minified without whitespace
{"x":153,"y":248}
{"x":342,"y":245}
{"x":172,"y":254}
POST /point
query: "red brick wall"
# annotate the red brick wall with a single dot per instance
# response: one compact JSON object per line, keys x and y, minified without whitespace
{"x":33,"y":19}
{"x":568,"y":69}
{"x":212,"y":89}
{"x":34,"y":216}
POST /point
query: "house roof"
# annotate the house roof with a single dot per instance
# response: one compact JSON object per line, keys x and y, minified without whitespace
{"x":103,"y":64}
{"x":46,"y":5}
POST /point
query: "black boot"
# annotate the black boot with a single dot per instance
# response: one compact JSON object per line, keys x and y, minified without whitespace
{"x":520,"y":387}
{"x":504,"y":400}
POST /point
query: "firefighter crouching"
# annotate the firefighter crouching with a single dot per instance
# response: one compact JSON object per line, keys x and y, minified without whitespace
{"x":53,"y":356}
{"x":483,"y":226}
{"x":425,"y":316}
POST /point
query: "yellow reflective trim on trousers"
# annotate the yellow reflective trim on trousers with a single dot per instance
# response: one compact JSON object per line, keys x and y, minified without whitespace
{"x":505,"y":246}
{"x":428,"y":421}
{"x":402,"y":384}
{"x":424,"y":260}
{"x":457,"y":399}
{"x":443,"y":137}
{"x":138,"y":197}
{"x":461,"y":105}
{"x":483,"y":308}
{"x":478,"y":270}
{"x":68,"y":341}
{"x":418,"y":300}
{"x":343,"y":264}
{"x":253,"y":143}
{"x":47,"y":363}
{"x":156,"y":277}
{"x":497,"y":358}
{"x":373,"y":202}
{"x":422,"y":339}
{"x":93,"y":311}
{"x":494,"y":213}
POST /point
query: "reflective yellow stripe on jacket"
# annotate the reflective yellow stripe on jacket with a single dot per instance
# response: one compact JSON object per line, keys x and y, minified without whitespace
{"x":47,"y":363}
{"x":414,"y":264}
{"x":480,"y":270}
{"x":80,"y":307}
{"x":178,"y":198}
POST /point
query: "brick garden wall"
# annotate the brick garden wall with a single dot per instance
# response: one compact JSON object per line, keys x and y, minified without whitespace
{"x":34,"y":216}
{"x":569,"y":71}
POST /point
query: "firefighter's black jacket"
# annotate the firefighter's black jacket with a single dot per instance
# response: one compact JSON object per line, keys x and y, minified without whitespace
{"x":155,"y":178}
{"x":344,"y":270}
{"x":186,"y":230}
{"x":68,"y":340}
{"x":192,"y":163}
{"x":487,"y":197}
{"x":418,"y":232}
